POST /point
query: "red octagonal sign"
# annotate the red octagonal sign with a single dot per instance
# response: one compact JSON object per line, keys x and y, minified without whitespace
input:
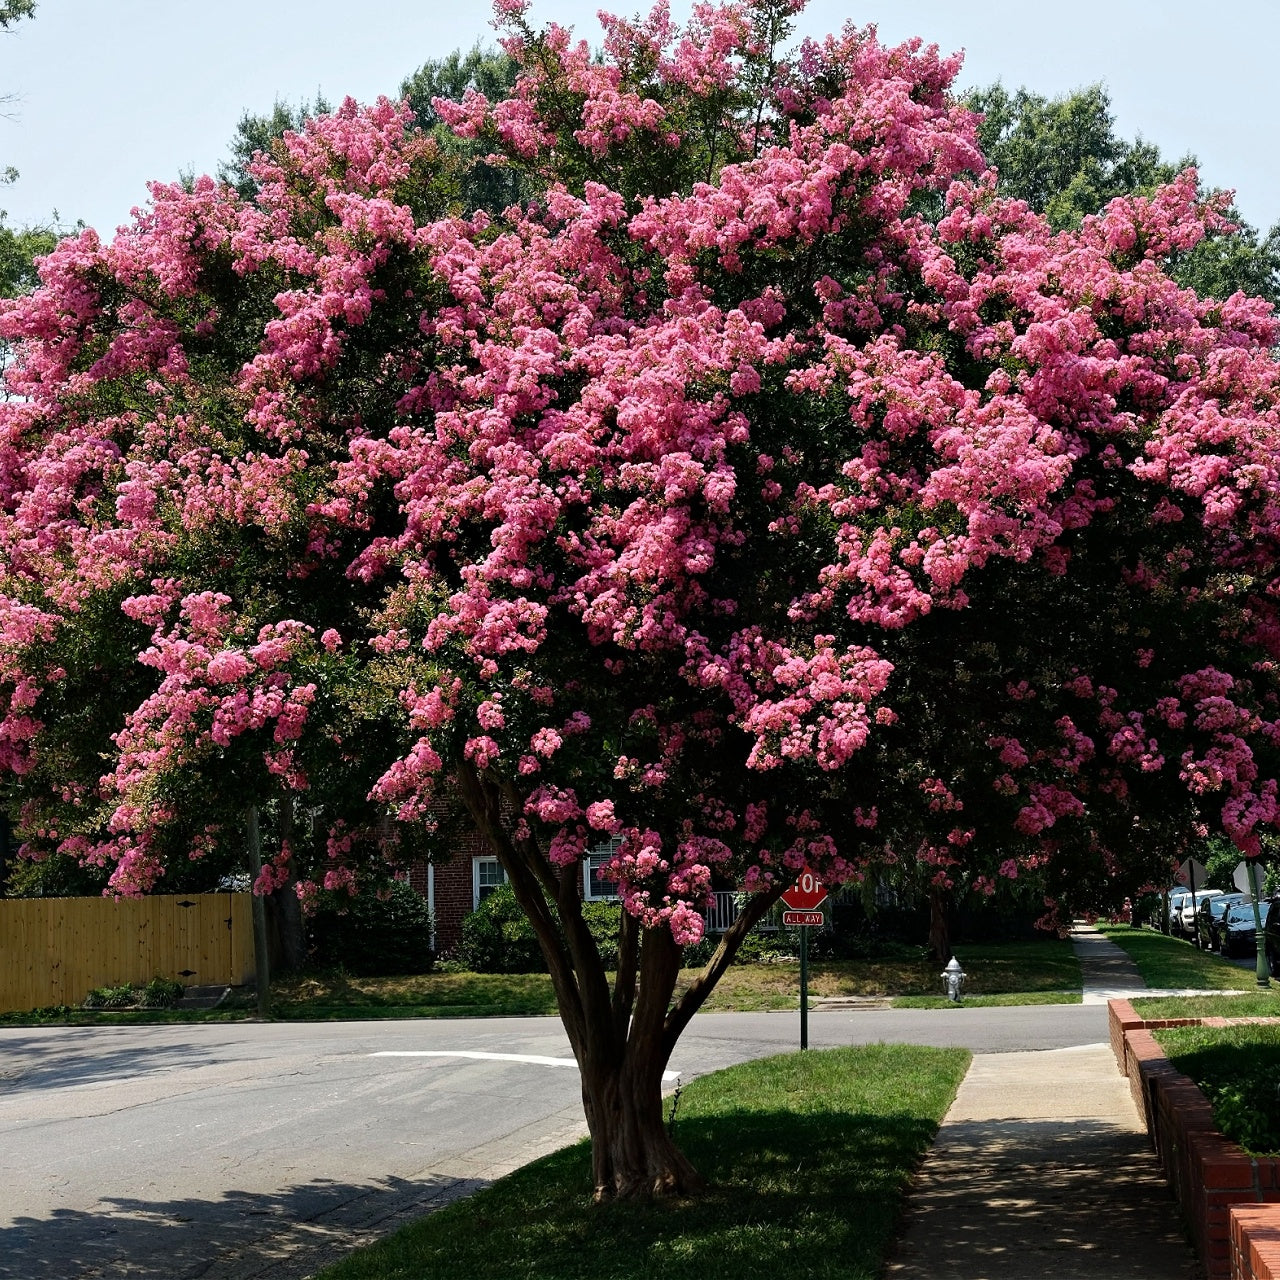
{"x":807,"y":893}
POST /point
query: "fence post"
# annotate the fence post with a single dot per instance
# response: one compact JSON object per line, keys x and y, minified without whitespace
{"x":260,"y":972}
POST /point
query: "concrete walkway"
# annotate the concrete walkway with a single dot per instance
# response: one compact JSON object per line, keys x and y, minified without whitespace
{"x":1042,"y":1169}
{"x":1106,"y":970}
{"x":1109,"y":974}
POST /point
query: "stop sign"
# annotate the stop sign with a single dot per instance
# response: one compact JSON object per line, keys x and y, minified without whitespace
{"x":807,"y":892}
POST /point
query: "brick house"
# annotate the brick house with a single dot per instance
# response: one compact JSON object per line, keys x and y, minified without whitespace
{"x":454,"y":887}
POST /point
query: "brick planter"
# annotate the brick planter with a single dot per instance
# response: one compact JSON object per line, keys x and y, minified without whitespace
{"x":1208,"y":1173}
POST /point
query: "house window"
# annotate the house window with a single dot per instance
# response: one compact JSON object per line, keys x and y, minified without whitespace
{"x":596,"y":887}
{"x":486,"y":875}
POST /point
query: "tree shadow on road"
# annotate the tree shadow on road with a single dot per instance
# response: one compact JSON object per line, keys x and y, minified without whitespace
{"x":284,"y":1235}
{"x":41,"y":1062}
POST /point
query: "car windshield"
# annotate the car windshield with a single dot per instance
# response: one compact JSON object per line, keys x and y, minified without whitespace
{"x":1245,"y":912}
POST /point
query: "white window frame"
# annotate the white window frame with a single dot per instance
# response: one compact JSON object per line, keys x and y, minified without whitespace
{"x":488,"y":861}
{"x":597,"y":855}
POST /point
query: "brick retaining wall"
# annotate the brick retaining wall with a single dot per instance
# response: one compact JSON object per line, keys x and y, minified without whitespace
{"x":1224,"y":1193}
{"x":1255,"y":1243}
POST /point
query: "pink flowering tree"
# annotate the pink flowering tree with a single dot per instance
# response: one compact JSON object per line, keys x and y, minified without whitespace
{"x":766,"y":493}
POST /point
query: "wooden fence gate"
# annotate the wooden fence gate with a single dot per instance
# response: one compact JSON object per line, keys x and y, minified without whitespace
{"x":56,"y":950}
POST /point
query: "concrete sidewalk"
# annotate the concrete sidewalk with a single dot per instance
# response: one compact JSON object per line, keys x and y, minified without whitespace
{"x":1109,"y":974}
{"x":1042,"y":1169}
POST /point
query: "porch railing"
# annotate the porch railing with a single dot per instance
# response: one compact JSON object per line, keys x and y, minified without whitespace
{"x":724,"y":911}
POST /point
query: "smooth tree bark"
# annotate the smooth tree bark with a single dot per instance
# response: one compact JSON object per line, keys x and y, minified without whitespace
{"x":622,"y":1033}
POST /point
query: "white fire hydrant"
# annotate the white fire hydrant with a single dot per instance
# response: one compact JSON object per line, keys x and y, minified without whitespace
{"x":953,"y":979}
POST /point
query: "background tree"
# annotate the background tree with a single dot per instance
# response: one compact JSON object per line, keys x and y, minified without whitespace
{"x":12,"y":11}
{"x":259,"y":133}
{"x":765,"y":493}
{"x":1062,"y":155}
{"x":20,"y":246}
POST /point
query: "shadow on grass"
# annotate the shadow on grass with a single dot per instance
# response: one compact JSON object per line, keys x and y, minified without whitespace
{"x":331,"y":996}
{"x":284,"y":1235}
{"x":1236,"y":1069}
{"x":814,"y":1195}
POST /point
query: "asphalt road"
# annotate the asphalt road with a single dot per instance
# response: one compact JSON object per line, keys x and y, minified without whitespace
{"x":230,"y":1151}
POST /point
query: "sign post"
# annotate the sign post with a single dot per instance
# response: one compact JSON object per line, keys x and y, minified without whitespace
{"x":1248,"y":878}
{"x":1192,"y":873}
{"x":803,"y":898}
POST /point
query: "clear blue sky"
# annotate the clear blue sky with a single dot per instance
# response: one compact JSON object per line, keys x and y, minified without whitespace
{"x":110,"y":93}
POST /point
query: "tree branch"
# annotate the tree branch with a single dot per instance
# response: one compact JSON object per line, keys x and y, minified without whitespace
{"x":756,"y":908}
{"x":624,"y":983}
{"x":525,"y":873}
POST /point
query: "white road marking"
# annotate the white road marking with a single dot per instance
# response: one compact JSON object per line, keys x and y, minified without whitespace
{"x":538,"y":1060}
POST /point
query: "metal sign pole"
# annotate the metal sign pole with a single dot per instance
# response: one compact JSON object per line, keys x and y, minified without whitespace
{"x":1262,"y":969}
{"x":804,"y":986}
{"x":1195,"y":907}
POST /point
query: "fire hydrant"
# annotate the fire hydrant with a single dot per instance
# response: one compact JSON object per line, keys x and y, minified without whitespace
{"x":953,"y":979}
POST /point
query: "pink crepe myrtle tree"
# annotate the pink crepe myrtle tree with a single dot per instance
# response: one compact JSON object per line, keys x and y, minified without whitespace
{"x":767,"y":493}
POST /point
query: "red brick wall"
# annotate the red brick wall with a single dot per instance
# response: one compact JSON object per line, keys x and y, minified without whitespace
{"x":454,"y":884}
{"x":454,"y":888}
{"x":1208,"y":1174}
{"x":1255,"y":1242}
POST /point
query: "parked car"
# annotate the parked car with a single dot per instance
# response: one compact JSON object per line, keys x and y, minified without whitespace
{"x":1237,"y":930}
{"x":1177,"y":896}
{"x":1211,"y":913}
{"x":1190,"y":905}
{"x":1271,"y":934}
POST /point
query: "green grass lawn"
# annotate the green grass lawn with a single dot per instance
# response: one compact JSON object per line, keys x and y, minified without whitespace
{"x":1237,"y":1069}
{"x":1040,"y":972}
{"x":999,"y":972}
{"x":806,"y":1155}
{"x":1248,"y":1004}
{"x":1170,"y":962}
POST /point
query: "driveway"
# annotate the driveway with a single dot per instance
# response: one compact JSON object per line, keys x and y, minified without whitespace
{"x":229,"y":1151}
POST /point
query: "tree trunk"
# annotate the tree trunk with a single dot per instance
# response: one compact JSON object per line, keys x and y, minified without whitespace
{"x":622,"y":1038}
{"x":288,"y":930}
{"x":632,"y":1154}
{"x":939,"y":926}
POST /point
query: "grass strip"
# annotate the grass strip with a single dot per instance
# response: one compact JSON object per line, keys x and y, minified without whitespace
{"x":1236,"y":1069}
{"x":1043,"y":971}
{"x":1248,"y":1004}
{"x":1170,"y":962}
{"x":807,"y":1156}
{"x":987,"y":1002}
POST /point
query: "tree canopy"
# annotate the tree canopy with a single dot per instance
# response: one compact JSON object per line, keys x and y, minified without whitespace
{"x":765,"y":492}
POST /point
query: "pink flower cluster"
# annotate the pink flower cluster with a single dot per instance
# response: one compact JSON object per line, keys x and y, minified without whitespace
{"x":612,"y":501}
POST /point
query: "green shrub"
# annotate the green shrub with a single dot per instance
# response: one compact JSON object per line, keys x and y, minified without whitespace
{"x":370,"y":937}
{"x":161,"y":993}
{"x":603,"y":919}
{"x":119,"y":997}
{"x":498,"y":938}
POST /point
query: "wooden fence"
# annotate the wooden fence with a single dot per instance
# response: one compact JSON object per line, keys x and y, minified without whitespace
{"x":56,"y":950}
